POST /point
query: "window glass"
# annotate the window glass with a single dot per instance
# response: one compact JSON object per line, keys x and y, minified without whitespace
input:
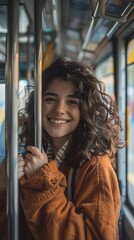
{"x":23,"y":95}
{"x":21,"y":99}
{"x":2,"y":121}
{"x":105,"y":73}
{"x":130,"y":121}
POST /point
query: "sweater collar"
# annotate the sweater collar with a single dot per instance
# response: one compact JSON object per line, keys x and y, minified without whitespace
{"x":60,"y":155}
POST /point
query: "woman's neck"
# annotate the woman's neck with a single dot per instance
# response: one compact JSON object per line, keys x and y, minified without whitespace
{"x":57,"y":143}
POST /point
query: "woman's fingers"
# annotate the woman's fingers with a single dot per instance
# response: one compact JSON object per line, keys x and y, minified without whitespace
{"x":36,"y":156}
{"x":35,"y":159}
{"x":20,"y":174}
{"x":34,"y":150}
{"x":29,"y":156}
{"x":21,"y":164}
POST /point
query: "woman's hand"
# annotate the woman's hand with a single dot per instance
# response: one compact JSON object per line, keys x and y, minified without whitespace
{"x":35,"y":159}
{"x":21,"y":164}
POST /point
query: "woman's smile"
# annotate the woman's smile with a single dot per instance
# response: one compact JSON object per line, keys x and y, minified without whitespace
{"x":58,"y":121}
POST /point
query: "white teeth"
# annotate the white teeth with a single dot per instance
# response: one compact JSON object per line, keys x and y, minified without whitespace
{"x":57,"y":121}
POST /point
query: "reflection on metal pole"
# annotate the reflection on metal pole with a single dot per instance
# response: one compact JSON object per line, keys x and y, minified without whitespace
{"x":89,"y":32}
{"x":38,"y":72}
{"x":28,"y":57}
{"x":11,"y":118}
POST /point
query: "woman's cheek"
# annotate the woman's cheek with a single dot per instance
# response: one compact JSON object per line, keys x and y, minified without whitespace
{"x":44,"y":109}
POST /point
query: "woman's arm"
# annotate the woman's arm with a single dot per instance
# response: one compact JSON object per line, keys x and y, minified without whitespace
{"x":92,"y":215}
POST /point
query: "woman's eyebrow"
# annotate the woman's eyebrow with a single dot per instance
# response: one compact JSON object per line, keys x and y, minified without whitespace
{"x":74,"y":95}
{"x":50,"y":93}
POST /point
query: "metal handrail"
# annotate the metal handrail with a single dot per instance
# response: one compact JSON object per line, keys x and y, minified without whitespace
{"x":12,"y":118}
{"x":38,"y":73}
{"x":89,"y":32}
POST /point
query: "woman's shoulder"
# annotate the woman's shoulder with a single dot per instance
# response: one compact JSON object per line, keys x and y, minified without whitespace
{"x":99,"y":168}
{"x":98,"y":160}
{"x":98,"y":175}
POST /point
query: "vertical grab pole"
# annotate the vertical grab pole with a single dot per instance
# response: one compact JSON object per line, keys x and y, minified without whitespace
{"x":12,"y":118}
{"x":38,"y":72}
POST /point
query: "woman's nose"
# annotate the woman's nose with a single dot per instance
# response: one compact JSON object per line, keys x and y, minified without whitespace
{"x":60,"y":108}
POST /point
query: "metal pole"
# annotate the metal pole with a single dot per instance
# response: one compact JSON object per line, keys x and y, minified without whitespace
{"x":12,"y":118}
{"x":28,"y":56}
{"x":89,"y":32}
{"x":38,"y":72}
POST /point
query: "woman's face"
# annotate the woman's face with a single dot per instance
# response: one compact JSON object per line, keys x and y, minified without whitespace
{"x":61,"y":109}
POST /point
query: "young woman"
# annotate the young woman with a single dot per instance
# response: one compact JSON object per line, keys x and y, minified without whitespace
{"x":69,"y":190}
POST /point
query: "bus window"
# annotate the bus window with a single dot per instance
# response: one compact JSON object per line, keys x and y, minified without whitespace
{"x":23,"y":93}
{"x":130,"y":122}
{"x":105,"y":72}
{"x":2,"y":121}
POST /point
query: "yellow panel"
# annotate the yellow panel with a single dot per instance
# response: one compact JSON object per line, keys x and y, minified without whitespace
{"x":48,"y":57}
{"x":130,"y":58}
{"x":130,"y":52}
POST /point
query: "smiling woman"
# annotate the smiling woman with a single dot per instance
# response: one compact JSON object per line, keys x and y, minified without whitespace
{"x":80,"y":135}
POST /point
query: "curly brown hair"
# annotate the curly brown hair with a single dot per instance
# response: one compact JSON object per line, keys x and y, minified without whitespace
{"x":99,"y":130}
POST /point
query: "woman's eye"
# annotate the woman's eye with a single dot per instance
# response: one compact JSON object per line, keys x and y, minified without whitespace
{"x":49,"y":100}
{"x":73,"y":102}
